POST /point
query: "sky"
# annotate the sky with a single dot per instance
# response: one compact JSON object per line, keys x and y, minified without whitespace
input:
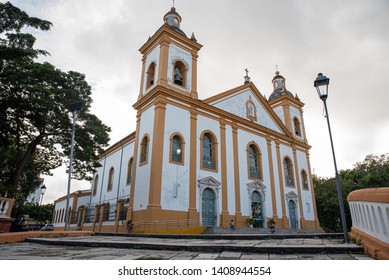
{"x":348,"y":41}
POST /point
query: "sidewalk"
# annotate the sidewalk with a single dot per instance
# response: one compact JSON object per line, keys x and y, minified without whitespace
{"x":183,"y":247}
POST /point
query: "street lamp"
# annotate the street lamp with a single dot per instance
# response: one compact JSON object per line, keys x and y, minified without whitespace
{"x":43,"y":190}
{"x":74,"y":108}
{"x":321,"y":85}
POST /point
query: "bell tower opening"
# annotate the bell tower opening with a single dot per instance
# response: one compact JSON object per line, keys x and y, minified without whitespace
{"x":150,"y":75}
{"x":179,"y":75}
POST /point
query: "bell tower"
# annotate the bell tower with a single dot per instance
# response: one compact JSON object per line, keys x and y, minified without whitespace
{"x":288,"y":107}
{"x":169,"y":59}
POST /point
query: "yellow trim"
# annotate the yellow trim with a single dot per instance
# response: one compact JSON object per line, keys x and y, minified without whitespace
{"x":285,"y":221}
{"x":225,"y":218}
{"x":216,"y":113}
{"x":142,"y":77}
{"x":157,"y":156}
{"x":163,"y":63}
{"x":272,"y":182}
{"x":235,"y":147}
{"x":194,"y":76}
{"x":288,"y":123}
{"x":166,"y":32}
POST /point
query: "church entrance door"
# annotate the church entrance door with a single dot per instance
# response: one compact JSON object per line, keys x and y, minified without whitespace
{"x":292,"y":213}
{"x":256,"y":209}
{"x":208,"y":211}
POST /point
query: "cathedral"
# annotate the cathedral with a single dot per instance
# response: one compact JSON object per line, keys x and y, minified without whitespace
{"x":194,"y":163}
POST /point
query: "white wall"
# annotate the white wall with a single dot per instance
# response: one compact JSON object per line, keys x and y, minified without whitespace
{"x":236,"y":104}
{"x":208,"y":124}
{"x":177,"y":121}
{"x":142,"y":184}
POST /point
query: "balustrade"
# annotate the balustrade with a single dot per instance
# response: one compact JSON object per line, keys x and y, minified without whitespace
{"x":370,"y":220}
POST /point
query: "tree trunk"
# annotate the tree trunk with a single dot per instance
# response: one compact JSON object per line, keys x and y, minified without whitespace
{"x":23,"y":161}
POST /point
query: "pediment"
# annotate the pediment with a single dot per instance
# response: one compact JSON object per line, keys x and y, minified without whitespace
{"x":248,"y":103}
{"x":257,"y":185}
{"x":291,"y":195}
{"x":209,"y":181}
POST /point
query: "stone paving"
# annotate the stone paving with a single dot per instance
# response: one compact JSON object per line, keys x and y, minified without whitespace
{"x":34,"y":251}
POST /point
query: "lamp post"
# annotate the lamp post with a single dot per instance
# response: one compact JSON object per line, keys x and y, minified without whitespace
{"x":74,"y":108}
{"x":43,"y":190}
{"x":321,"y":85}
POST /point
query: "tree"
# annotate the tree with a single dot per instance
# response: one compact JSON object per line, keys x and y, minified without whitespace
{"x":35,"y":132}
{"x":373,"y":172}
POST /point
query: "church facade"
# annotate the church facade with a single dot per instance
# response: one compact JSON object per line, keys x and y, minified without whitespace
{"x":191,"y":163}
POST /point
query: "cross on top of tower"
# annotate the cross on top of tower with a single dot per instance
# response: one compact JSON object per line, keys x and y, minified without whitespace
{"x":246,"y":78}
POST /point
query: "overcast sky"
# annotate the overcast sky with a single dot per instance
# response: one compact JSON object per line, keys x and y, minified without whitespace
{"x":348,"y":41}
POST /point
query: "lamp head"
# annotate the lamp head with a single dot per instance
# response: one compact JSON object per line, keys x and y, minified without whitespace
{"x":43,"y":189}
{"x":321,"y":85}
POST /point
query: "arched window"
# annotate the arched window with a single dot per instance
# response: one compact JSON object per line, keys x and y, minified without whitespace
{"x":254,"y":162}
{"x":297,"y":127}
{"x":208,"y":152}
{"x":110,"y":179}
{"x":144,"y":147}
{"x":179,"y":74}
{"x":288,"y":169}
{"x":304,"y":177}
{"x":95,"y":184}
{"x":150,"y":75}
{"x":177,"y":149}
{"x":129,"y":171}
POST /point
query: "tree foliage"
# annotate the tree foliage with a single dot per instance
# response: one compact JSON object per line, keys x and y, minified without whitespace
{"x":373,"y":172}
{"x":35,"y":131}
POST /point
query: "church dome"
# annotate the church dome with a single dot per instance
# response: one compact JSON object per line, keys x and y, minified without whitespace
{"x":279,"y":87}
{"x":173,"y":20}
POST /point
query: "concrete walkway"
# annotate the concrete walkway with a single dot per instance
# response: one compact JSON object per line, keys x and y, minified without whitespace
{"x":183,"y":248}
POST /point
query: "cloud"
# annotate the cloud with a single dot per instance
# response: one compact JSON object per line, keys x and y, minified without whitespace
{"x":346,"y":40}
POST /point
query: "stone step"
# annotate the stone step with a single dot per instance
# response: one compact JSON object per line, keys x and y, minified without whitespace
{"x":274,"y":246}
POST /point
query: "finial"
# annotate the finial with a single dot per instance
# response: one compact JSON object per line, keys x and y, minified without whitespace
{"x":193,"y":37}
{"x":247,"y":78}
{"x":173,"y":3}
{"x":277,"y":72}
